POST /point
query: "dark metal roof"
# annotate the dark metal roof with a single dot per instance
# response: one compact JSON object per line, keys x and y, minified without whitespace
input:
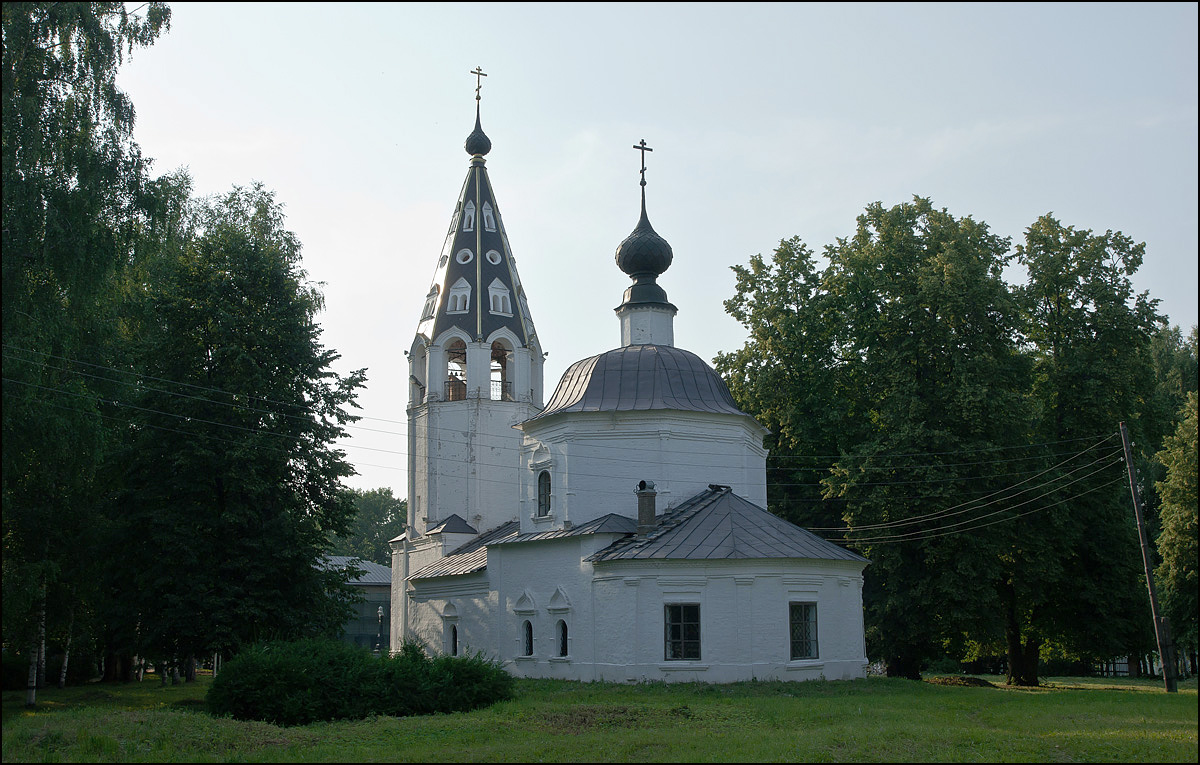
{"x":718,"y":524}
{"x":641,"y":377}
{"x":453,"y":524}
{"x":468,"y":558}
{"x":476,"y":255}
{"x":606,"y":524}
{"x":373,"y":573}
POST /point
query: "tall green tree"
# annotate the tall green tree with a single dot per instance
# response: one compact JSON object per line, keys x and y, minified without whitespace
{"x":1177,"y":574}
{"x":74,"y":187}
{"x":379,"y":517}
{"x":904,"y":345}
{"x":233,"y":483}
{"x":928,"y":326}
{"x":1090,"y":336}
{"x":789,"y":375}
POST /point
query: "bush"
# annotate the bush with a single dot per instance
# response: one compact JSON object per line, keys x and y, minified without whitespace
{"x":296,"y":683}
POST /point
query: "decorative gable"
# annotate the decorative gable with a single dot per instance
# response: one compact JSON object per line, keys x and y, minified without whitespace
{"x":559,"y":602}
{"x":525,"y":604}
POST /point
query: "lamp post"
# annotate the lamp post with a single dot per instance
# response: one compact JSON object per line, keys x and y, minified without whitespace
{"x":379,"y":634}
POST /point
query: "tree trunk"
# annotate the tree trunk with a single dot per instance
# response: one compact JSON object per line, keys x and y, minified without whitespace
{"x":31,"y":684}
{"x":189,"y":674}
{"x":41,"y":654}
{"x":1022,"y":657}
{"x":62,"y":673}
{"x":39,"y":645}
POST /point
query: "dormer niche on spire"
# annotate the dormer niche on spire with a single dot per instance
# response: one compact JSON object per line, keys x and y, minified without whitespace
{"x":646,"y":316}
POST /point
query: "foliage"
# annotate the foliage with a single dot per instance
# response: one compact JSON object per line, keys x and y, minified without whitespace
{"x":245,"y":428}
{"x":871,"y":720}
{"x":379,"y":517}
{"x":74,"y":192}
{"x":306,"y":681}
{"x":1176,"y":576}
{"x":1090,"y":336}
{"x":936,"y":381}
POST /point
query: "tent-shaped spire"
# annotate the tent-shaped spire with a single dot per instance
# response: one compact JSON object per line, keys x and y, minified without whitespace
{"x":475,"y":284}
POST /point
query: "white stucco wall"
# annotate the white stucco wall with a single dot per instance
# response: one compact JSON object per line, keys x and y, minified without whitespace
{"x":435,"y":605}
{"x":615,"y":614}
{"x":596,"y":458}
{"x":465,"y":459}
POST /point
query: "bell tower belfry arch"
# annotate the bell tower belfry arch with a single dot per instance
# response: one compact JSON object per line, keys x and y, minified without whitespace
{"x":475,"y":368}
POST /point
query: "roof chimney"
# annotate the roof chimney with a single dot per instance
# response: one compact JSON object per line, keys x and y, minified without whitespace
{"x":646,"y":495}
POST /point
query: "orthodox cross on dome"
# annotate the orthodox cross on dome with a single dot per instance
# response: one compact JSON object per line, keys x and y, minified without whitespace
{"x":643,"y":148}
{"x":479,"y":75}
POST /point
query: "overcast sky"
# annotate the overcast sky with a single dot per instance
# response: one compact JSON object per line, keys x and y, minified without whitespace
{"x":766,"y":121}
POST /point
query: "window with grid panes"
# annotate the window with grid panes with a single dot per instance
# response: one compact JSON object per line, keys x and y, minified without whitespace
{"x":682,"y":631}
{"x":802,"y":618}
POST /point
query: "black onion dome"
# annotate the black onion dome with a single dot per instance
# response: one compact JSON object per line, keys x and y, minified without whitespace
{"x":640,"y":378}
{"x":644,"y":252}
{"x":478,"y":143}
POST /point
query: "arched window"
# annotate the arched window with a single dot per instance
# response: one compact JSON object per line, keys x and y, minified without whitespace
{"x":454,"y":640}
{"x":501,"y":385}
{"x":489,"y":221}
{"x":543,"y":493}
{"x":562,"y":637}
{"x":456,"y":370}
{"x":527,"y":638}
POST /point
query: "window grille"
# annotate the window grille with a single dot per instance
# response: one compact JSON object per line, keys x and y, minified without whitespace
{"x":802,"y":618}
{"x":543,"y":493}
{"x":527,"y":638}
{"x":682,"y":631}
{"x":562,"y":638}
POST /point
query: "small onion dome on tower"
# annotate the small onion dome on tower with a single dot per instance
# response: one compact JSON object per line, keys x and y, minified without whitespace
{"x":478,"y":144}
{"x":644,"y":254}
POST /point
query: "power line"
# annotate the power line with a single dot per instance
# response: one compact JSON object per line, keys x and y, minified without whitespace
{"x":625,"y":451}
{"x":946,"y":512}
{"x":772,"y":457}
{"x":933,"y":533}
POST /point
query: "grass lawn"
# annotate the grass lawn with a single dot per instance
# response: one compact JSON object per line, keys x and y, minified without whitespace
{"x":871,"y":720}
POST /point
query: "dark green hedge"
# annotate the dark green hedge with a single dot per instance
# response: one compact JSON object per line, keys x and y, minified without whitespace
{"x":299,"y":682}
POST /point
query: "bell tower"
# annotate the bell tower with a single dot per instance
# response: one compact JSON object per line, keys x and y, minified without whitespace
{"x":475,"y":368}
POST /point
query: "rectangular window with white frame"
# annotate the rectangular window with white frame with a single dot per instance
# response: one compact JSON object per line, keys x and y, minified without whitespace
{"x":682,"y":634}
{"x":802,"y":621}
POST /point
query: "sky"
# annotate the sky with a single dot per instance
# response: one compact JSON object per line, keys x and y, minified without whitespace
{"x":766,"y":121}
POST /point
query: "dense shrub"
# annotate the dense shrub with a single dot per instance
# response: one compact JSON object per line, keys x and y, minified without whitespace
{"x":295,"y":683}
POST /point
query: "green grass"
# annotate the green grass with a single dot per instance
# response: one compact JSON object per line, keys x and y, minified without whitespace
{"x":872,"y":720}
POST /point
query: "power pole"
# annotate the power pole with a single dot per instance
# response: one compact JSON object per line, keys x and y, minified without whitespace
{"x":1162,"y":627}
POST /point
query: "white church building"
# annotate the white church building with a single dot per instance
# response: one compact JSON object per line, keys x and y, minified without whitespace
{"x":617,"y":532}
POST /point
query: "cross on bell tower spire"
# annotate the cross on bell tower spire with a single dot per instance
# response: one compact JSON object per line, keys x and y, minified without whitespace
{"x":479,"y":75}
{"x":643,"y":148}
